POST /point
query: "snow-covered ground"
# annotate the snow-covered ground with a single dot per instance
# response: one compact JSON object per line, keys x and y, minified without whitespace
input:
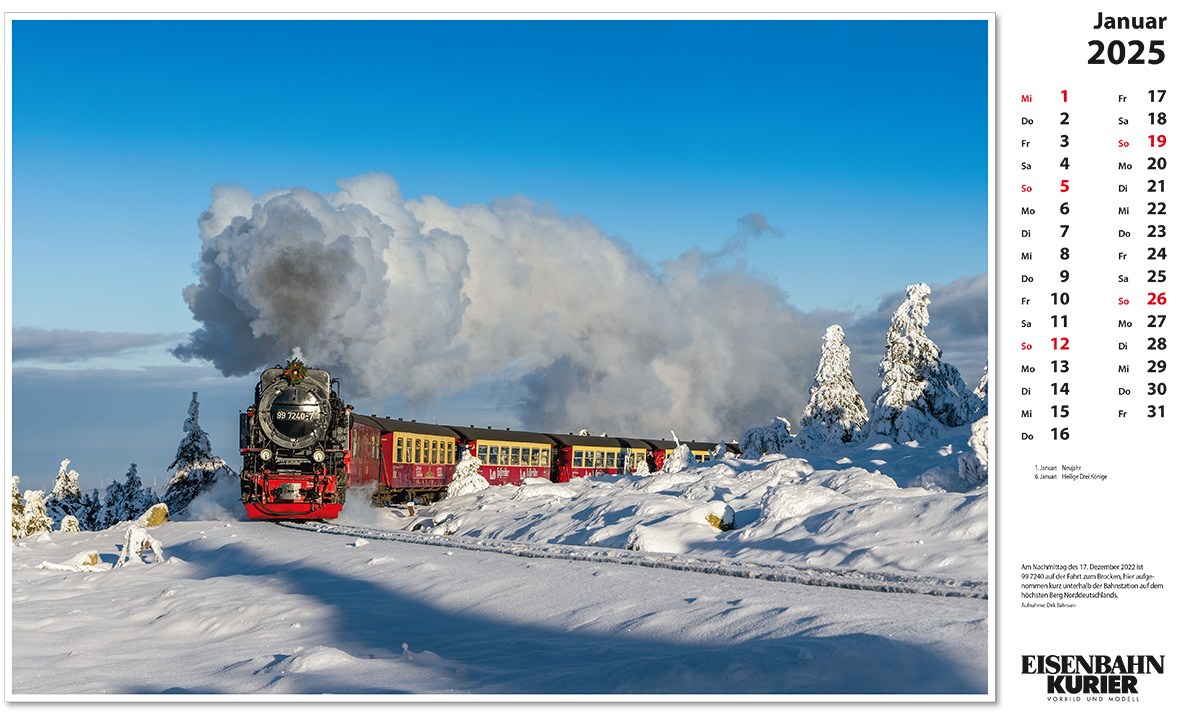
{"x":445,"y":608}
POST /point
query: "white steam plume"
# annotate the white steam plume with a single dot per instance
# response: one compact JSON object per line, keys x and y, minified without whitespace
{"x":422,"y":298}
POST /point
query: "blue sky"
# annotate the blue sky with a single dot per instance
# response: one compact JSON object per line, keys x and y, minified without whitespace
{"x":864,"y":143}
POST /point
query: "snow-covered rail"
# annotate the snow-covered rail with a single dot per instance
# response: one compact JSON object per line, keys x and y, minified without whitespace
{"x":813,"y":576}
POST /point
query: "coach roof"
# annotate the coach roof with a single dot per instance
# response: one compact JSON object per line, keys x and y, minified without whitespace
{"x":470,"y":433}
{"x":571,"y":440}
{"x":391,"y":425}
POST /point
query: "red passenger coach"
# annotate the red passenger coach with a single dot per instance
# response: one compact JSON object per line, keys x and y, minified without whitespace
{"x":586,"y":456}
{"x":508,"y":457}
{"x":418,"y":459}
{"x":366,"y":451}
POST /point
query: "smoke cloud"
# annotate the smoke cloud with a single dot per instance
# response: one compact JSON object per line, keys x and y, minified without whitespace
{"x":421,"y":298}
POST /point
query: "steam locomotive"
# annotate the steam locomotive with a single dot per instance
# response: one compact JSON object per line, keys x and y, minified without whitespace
{"x":294,"y":443}
{"x":302,"y":447}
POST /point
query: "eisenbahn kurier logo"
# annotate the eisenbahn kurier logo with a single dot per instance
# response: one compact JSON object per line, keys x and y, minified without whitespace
{"x":1093,"y":675}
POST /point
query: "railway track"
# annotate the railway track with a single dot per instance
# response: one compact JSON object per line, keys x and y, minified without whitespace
{"x":811,"y":576}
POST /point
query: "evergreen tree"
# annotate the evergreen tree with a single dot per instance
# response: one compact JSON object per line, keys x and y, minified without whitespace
{"x":35,"y":518}
{"x":835,"y":411}
{"x":90,"y":511}
{"x":196,"y":468}
{"x":681,"y":459}
{"x":125,"y":501}
{"x":65,"y":499}
{"x":18,"y":509}
{"x":982,"y":390}
{"x":920,"y":394}
{"x":772,"y":438}
{"x":973,"y":464}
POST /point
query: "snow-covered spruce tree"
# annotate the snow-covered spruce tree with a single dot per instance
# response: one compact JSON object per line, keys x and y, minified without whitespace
{"x":772,"y":438}
{"x":921,"y":395}
{"x":90,"y":512}
{"x":65,"y":499}
{"x":982,"y":390}
{"x":196,"y":468}
{"x":35,"y":519}
{"x":125,"y":501}
{"x":835,"y":411}
{"x":466,"y":479}
{"x":973,"y":465}
{"x":681,"y":459}
{"x":18,"y":509}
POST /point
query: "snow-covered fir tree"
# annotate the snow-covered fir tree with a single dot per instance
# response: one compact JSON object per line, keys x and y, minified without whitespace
{"x":982,"y":390}
{"x":125,"y":501}
{"x":90,"y":511}
{"x":65,"y":499}
{"x":772,"y":438}
{"x":680,"y":459}
{"x":34,"y":518}
{"x":18,"y":509}
{"x":467,"y":478}
{"x":196,"y":468}
{"x":973,"y":465}
{"x":921,"y":395}
{"x":835,"y":411}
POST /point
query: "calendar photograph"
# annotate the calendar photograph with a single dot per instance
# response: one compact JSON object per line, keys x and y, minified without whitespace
{"x":546,"y":358}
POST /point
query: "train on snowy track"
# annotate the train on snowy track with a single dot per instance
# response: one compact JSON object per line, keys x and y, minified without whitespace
{"x":302,"y":447}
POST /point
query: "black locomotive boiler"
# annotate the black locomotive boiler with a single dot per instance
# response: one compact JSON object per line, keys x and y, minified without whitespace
{"x":294,"y":442}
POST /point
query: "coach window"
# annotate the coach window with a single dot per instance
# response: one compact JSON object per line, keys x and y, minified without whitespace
{"x":493,"y":455}
{"x":545,"y":457}
{"x":524,"y":456}
{"x":578,"y":460}
{"x":503,"y":455}
{"x":588,"y":459}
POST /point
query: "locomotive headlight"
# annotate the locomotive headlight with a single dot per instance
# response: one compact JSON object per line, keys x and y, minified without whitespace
{"x":319,"y":456}
{"x":265,"y":454}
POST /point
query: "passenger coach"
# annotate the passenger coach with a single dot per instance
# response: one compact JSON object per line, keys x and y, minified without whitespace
{"x":508,"y":456}
{"x":585,"y":456}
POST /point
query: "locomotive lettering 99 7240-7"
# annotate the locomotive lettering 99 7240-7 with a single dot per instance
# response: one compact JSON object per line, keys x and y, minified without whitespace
{"x":294,"y":442}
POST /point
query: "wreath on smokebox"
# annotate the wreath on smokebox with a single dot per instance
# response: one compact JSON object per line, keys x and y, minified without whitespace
{"x":294,"y":372}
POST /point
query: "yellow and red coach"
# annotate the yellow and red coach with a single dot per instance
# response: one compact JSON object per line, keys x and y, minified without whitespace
{"x":508,"y":457}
